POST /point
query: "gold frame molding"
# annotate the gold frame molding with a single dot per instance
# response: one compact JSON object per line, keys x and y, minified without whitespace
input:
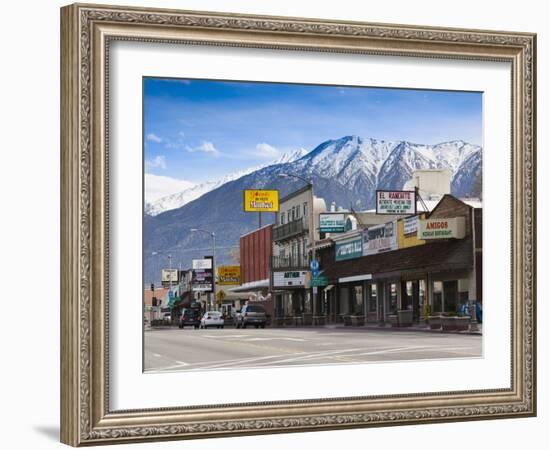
{"x":86,"y":31}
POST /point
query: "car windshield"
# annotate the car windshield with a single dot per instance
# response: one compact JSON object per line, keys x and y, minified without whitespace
{"x":255,"y":308}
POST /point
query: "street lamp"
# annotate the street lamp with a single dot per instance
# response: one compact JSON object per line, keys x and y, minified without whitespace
{"x":213,"y":236}
{"x":312,"y":226}
{"x":169,"y":255}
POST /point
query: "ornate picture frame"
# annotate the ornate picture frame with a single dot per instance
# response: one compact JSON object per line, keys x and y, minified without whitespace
{"x":87,"y":32}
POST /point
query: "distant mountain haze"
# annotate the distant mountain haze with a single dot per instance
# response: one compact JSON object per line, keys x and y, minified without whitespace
{"x":347,"y":171}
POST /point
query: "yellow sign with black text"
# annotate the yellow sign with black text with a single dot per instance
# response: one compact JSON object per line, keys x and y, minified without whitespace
{"x":229,"y":275}
{"x":257,"y":200}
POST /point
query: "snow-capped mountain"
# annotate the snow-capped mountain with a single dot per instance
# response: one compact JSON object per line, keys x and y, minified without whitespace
{"x":346,"y":171}
{"x":193,"y":192}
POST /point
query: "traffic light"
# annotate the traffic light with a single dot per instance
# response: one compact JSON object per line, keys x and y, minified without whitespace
{"x":153,"y":287}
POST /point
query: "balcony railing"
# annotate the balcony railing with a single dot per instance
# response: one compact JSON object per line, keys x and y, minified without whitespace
{"x":290,"y":262}
{"x":290,"y":229}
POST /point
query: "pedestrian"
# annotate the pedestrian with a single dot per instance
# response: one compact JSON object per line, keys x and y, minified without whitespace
{"x":479,"y":312}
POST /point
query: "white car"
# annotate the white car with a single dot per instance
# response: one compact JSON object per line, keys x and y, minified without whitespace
{"x":212,"y":319}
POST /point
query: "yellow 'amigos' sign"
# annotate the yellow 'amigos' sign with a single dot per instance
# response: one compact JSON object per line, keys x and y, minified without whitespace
{"x":256,"y":200}
{"x":229,"y":275}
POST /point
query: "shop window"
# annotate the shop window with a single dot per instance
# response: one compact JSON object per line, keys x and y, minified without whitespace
{"x":450,"y":296}
{"x":437,"y":297}
{"x":357,"y":305}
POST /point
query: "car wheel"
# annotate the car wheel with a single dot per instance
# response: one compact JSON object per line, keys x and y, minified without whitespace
{"x":244,"y":325}
{"x":263,"y":325}
{"x":256,"y":326}
{"x":222,"y":326}
{"x":181,"y":326}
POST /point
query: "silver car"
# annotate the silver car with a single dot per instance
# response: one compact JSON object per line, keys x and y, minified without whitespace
{"x":251,"y":315}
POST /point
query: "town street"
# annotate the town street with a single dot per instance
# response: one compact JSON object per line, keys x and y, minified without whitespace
{"x":189,"y":349}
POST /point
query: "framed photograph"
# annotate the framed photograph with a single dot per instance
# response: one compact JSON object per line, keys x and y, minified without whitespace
{"x":276,"y":224}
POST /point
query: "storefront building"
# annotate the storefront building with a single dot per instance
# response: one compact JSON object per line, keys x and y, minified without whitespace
{"x":412,"y":267}
{"x":296,"y":225}
{"x":255,"y":271}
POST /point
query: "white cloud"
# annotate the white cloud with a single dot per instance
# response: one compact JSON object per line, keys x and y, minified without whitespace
{"x":157,"y":186}
{"x":154,"y":138}
{"x":205,"y":147}
{"x":157,"y":162}
{"x":267,"y":151}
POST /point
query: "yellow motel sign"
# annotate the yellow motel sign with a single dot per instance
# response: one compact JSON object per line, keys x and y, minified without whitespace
{"x":229,"y":275}
{"x":257,"y":200}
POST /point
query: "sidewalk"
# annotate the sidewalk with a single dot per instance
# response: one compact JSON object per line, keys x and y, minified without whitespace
{"x":387,"y":327}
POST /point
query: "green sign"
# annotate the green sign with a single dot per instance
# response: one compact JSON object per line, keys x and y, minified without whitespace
{"x":349,"y":249}
{"x":319,"y":281}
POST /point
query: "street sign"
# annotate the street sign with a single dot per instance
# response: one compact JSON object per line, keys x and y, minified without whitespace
{"x":314,"y":265}
{"x":321,"y":280}
{"x":315,"y":273}
{"x":257,"y":200}
{"x":396,"y":202}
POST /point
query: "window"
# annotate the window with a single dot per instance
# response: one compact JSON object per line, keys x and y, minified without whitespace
{"x":437,"y":297}
{"x":371,"y":292}
{"x":297,"y":212}
{"x":393,"y":298}
{"x":282,"y":218}
{"x":305,"y":209}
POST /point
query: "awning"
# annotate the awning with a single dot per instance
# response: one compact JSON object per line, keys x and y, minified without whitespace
{"x":351,"y":279}
{"x":444,"y":256}
{"x":251,"y":286}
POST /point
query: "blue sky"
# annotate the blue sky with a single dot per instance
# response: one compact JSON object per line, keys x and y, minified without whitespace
{"x":199,"y":130}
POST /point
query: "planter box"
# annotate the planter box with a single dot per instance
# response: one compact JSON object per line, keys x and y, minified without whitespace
{"x":405,"y":317}
{"x":357,"y":321}
{"x":449,"y":323}
{"x":393,"y":320}
{"x":319,"y":320}
{"x":434,"y":322}
{"x":463,"y":323}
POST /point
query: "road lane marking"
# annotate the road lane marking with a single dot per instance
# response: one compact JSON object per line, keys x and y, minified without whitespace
{"x":276,"y":339}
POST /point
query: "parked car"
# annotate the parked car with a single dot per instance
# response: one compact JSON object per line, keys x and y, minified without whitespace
{"x":251,"y":315}
{"x":212,"y":319}
{"x":190,"y":317}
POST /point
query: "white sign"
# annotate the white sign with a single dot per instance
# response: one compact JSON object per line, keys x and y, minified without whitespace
{"x":291,"y":278}
{"x":395,"y":202}
{"x":442,"y":228}
{"x":380,"y":238}
{"x":205,"y":287}
{"x":169,"y":275}
{"x":410,"y":225}
{"x":202,"y":264}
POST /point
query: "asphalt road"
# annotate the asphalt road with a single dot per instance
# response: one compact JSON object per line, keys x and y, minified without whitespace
{"x":189,"y":349}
